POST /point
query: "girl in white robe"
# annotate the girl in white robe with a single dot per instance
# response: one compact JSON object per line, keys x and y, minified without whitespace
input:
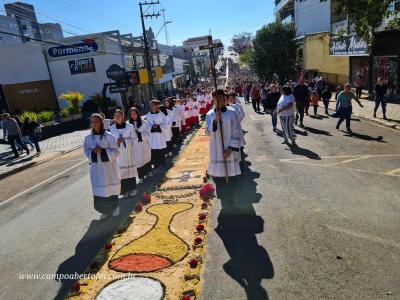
{"x":142,"y":147}
{"x":126,"y":139}
{"x":228,"y":155}
{"x":179,"y":119}
{"x":102,"y":151}
{"x":157,"y":122}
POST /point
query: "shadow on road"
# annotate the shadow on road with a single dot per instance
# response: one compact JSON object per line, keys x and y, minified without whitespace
{"x":237,"y":227}
{"x":364,"y":137}
{"x":317,"y":131}
{"x":296,"y":150}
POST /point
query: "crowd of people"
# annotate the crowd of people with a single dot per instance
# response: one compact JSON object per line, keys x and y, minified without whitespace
{"x":291,"y":101}
{"x":126,"y":150}
{"x":20,"y":135}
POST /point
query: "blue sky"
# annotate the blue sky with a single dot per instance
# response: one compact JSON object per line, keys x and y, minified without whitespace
{"x":189,"y":18}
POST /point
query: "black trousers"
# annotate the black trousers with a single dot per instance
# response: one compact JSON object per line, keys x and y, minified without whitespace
{"x":127,"y":185}
{"x":358,"y":92}
{"x":256,"y":104}
{"x":12,"y":139}
{"x":158,"y":157}
{"x":300,"y":112}
{"x":105,"y":205}
{"x":175,"y":134}
{"x":326,"y":104}
{"x":144,"y":170}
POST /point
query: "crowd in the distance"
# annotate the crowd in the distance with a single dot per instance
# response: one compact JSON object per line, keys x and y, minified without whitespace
{"x":291,"y":101}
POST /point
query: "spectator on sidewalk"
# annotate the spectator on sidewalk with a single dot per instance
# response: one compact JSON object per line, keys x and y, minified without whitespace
{"x":32,"y":131}
{"x":14,"y":134}
{"x":285,"y":111}
{"x":271,"y":103}
{"x":358,"y":84}
{"x":345,"y":106}
{"x":255,"y":98}
{"x":301,"y":95}
{"x":380,"y":97}
{"x":326,"y":97}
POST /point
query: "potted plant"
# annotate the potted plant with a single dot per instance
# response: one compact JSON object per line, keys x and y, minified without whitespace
{"x":73,"y":99}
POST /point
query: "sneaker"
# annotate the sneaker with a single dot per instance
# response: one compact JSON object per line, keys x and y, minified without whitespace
{"x":374,"y":115}
{"x":301,"y":125}
{"x":170,"y":154}
{"x":285,"y":142}
{"x":337,"y":127}
{"x":349,"y":131}
{"x":103,"y":216}
{"x":140,"y":181}
{"x":133,"y":193}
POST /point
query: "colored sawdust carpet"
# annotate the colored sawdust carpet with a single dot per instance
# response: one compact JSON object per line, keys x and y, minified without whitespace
{"x":163,"y":243}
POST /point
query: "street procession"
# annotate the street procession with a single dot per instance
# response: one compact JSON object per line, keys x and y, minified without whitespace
{"x":161,"y":150}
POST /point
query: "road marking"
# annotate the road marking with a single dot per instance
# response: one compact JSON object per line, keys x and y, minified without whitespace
{"x":369,"y":237}
{"x":41,"y":183}
{"x":350,"y":160}
{"x":343,"y":215}
{"x":63,"y":161}
{"x":393,"y":172}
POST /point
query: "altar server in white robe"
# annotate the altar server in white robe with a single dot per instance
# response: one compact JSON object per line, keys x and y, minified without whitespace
{"x":102,"y":150}
{"x":236,"y":106}
{"x":166,"y":109}
{"x":179,"y":119}
{"x":224,"y":149}
{"x":126,"y":139}
{"x":142,"y":147}
{"x":157,"y":123}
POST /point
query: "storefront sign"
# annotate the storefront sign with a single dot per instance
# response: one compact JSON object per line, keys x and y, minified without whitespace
{"x":118,"y":89}
{"x":73,"y":49}
{"x":348,"y":46}
{"x":80,"y":66}
{"x":116,"y":73}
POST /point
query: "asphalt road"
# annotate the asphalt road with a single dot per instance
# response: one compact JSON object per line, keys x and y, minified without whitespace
{"x":48,"y":226}
{"x":317,"y":221}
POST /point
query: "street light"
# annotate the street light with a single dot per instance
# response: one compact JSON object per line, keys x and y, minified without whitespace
{"x":169,"y":22}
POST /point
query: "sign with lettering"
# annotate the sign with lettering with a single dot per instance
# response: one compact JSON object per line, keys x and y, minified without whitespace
{"x":118,"y":89}
{"x":348,"y":46}
{"x":116,"y":72}
{"x":80,"y":66}
{"x":73,"y":49}
{"x":134,"y":77}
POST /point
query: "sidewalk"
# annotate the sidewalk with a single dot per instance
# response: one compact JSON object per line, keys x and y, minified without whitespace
{"x":367,"y":112}
{"x":51,"y":148}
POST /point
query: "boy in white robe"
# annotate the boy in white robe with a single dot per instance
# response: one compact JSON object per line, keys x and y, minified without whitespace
{"x":224,"y":149}
{"x":126,"y":139}
{"x":142,"y":147}
{"x":102,"y":151}
{"x":157,"y":122}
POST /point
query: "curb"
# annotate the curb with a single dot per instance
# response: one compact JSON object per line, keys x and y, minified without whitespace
{"x":35,"y":163}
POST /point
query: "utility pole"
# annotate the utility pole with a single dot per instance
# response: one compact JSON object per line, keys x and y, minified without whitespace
{"x":211,"y":48}
{"x":146,"y":44}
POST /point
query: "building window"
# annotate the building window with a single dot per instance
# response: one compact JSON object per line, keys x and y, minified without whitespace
{"x":23,"y":27}
{"x":48,"y":30}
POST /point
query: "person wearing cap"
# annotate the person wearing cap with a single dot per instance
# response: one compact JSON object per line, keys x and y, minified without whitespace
{"x":224,"y":146}
{"x":101,"y":149}
{"x":157,"y":123}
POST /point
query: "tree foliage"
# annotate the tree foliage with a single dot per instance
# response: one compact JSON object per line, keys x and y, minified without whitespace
{"x":245,"y":57}
{"x":241,"y":42}
{"x":274,"y":51}
{"x":368,"y":15}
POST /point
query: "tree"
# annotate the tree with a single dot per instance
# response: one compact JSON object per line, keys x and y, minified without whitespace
{"x":73,"y":99}
{"x":245,"y":57}
{"x":241,"y":42}
{"x":274,"y":51}
{"x":368,"y":15}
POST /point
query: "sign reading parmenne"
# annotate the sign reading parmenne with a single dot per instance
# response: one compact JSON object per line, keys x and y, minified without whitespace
{"x":73,"y":49}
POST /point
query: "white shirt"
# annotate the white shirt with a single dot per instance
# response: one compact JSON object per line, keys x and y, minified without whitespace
{"x":284,"y":100}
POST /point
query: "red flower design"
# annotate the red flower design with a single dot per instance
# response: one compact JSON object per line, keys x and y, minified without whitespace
{"x":193,"y":263}
{"x":77,"y":286}
{"x":198,"y":241}
{"x":207,"y":192}
{"x":186,"y":298}
{"x":146,"y":198}
{"x":200,"y":227}
{"x":139,"y":207}
{"x":202,"y":217}
{"x":204,"y":205}
{"x":108,"y":246}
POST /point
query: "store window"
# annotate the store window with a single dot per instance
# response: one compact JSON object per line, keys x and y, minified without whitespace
{"x":387,"y":67}
{"x":360,"y":67}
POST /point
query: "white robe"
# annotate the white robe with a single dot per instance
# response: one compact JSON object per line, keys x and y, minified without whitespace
{"x":240,"y":115}
{"x":157,"y":139}
{"x":126,"y":159}
{"x":231,"y":133}
{"x":179,"y":116}
{"x":104,"y":176}
{"x":142,"y":149}
{"x":168,"y":130}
